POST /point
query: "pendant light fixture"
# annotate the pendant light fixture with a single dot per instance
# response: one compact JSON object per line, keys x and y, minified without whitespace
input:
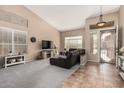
{"x":101,"y":22}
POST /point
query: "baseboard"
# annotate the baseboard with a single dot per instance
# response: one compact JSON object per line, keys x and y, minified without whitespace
{"x":93,"y":61}
{"x":30,"y":60}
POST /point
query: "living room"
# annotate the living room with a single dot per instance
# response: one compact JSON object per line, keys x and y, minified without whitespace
{"x":44,"y":46}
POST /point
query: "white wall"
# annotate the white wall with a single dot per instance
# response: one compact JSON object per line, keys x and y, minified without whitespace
{"x":121,"y":23}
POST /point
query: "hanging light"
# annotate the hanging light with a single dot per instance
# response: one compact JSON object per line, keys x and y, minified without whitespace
{"x":101,"y":22}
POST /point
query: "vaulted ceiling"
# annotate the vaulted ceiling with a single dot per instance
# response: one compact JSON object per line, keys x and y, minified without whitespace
{"x":67,"y":17}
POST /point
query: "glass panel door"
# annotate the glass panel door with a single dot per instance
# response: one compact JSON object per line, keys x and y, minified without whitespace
{"x":107,"y":46}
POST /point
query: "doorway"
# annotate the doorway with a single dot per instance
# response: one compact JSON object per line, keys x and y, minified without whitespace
{"x":107,"y":46}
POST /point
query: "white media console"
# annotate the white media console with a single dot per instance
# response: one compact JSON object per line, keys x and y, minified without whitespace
{"x":13,"y":60}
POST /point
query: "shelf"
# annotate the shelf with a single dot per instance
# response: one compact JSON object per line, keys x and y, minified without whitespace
{"x":15,"y":63}
{"x":121,"y":66}
{"x":122,"y":57}
{"x":14,"y":56}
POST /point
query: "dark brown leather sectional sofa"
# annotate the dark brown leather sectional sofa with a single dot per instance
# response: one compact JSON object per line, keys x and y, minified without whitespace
{"x":72,"y":57}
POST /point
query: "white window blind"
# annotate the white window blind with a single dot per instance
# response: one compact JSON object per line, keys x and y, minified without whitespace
{"x":73,"y":42}
{"x":12,"y":40}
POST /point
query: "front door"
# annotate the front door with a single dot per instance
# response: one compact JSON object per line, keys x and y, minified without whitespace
{"x":107,"y":46}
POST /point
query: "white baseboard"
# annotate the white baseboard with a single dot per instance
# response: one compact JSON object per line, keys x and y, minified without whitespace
{"x":29,"y":60}
{"x":93,"y":61}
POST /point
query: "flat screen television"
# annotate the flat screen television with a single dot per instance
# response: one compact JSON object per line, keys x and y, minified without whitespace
{"x":46,"y":44}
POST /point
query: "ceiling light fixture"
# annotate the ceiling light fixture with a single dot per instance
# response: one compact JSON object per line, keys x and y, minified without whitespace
{"x":101,"y":22}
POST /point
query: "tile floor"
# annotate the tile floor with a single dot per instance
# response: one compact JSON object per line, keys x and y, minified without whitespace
{"x":94,"y":75}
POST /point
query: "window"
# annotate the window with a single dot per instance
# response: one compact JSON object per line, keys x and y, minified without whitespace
{"x":93,"y":41}
{"x":12,"y":40}
{"x":73,"y":42}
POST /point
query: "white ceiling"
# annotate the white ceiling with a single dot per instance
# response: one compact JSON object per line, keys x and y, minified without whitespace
{"x":68,"y":17}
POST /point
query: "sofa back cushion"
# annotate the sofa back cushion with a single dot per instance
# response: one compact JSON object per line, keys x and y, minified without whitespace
{"x":68,"y":54}
{"x":72,"y":49}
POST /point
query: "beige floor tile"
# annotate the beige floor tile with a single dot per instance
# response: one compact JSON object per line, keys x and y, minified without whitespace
{"x":94,"y":75}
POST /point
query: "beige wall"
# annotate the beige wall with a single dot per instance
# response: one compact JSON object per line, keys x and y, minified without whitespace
{"x":37,"y":28}
{"x":42,"y":30}
{"x":121,"y":22}
{"x":108,"y":17}
{"x":78,"y":32}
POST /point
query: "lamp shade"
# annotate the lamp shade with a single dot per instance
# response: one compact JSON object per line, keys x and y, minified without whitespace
{"x":101,"y":22}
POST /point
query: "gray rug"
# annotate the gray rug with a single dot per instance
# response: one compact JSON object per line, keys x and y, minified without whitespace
{"x":38,"y":74}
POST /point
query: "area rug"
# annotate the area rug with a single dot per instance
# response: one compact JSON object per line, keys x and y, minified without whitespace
{"x":36,"y":74}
